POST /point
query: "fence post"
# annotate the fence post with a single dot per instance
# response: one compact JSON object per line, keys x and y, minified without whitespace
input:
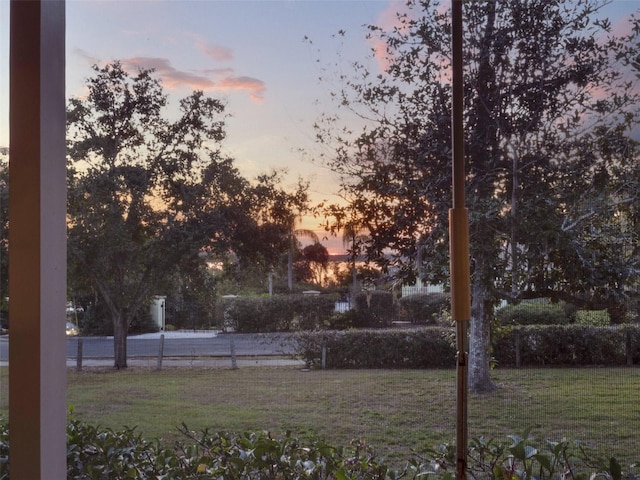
{"x":234,"y":362}
{"x":79,"y":355}
{"x":160,"y":353}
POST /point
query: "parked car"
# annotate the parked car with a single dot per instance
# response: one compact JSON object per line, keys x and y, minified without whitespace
{"x":72,"y":329}
{"x":4,"y":322}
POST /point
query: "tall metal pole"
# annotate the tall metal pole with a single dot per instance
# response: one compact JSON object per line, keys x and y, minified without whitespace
{"x":459,"y":241}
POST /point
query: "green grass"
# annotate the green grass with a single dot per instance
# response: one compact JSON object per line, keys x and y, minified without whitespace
{"x":395,"y":411}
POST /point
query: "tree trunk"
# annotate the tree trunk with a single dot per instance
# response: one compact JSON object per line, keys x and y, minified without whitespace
{"x":514,"y":218}
{"x":290,"y":270}
{"x":480,"y":336}
{"x":354,"y":276}
{"x":483,"y":147}
{"x":290,"y":262}
{"x":120,"y":330}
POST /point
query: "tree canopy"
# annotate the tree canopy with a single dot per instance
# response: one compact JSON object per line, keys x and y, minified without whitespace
{"x":150,"y":197}
{"x":552,"y":168}
{"x":316,"y":256}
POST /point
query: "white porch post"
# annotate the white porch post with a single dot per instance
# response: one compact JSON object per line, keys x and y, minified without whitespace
{"x":37,"y":240}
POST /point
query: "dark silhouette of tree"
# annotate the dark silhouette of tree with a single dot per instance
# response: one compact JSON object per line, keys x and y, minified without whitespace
{"x":551,"y":166}
{"x":278,"y":211}
{"x":317,"y":256}
{"x":147,"y":196}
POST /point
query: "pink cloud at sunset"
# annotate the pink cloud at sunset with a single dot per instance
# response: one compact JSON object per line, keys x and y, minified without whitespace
{"x":170,"y":76}
{"x":208,"y":80}
{"x":622,"y":26}
{"x":255,"y":87}
{"x":387,"y":21}
{"x":390,"y":20}
{"x":217,"y":52}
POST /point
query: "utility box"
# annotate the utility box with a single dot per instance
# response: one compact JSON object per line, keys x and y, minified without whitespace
{"x":157,"y":309}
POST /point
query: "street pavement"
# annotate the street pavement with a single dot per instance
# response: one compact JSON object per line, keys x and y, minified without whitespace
{"x":180,"y":348}
{"x":182,"y":362}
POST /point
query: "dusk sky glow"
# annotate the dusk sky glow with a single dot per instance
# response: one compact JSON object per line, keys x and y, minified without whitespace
{"x":250,"y":53}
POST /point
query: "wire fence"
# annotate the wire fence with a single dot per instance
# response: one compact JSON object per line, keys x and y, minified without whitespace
{"x":191,"y":349}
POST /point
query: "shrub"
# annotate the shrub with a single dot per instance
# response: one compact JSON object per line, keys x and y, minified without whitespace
{"x":632,"y":333}
{"x":569,"y":311}
{"x":341,"y":320}
{"x":567,"y":345}
{"x":374,"y":309}
{"x":434,"y":347}
{"x":278,"y":313}
{"x":424,"y":308}
{"x":598,"y":318}
{"x":142,"y":322}
{"x":4,"y":449}
{"x":431,"y":347}
{"x":310,"y":311}
{"x":532,"y":313}
{"x":96,"y":320}
{"x":255,"y":314}
{"x":104,"y":454}
{"x":522,"y":459}
{"x":288,"y":313}
{"x":97,"y":453}
{"x":632,"y":314}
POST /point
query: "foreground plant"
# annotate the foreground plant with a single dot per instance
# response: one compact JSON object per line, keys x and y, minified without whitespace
{"x":522,"y":460}
{"x":95,"y":453}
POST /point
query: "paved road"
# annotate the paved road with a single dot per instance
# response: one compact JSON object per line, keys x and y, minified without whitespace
{"x":176,"y":344}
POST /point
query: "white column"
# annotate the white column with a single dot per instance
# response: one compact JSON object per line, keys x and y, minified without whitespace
{"x":37,"y":240}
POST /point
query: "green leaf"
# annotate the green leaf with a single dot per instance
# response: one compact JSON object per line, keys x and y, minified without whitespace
{"x":544,"y":461}
{"x":518,"y":451}
{"x":341,"y":475}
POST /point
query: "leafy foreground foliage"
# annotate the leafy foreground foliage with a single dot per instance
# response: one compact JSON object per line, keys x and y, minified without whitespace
{"x":95,"y":453}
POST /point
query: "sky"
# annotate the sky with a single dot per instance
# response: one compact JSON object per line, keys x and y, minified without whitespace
{"x":262,"y":57}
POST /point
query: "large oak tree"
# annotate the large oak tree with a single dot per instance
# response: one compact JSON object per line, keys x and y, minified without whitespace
{"x":552,"y":171}
{"x":149,"y":196}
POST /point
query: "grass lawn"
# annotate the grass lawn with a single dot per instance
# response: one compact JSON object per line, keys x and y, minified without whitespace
{"x":394,"y":411}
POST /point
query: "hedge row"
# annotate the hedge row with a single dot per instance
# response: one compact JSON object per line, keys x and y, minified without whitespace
{"x":538,"y":345}
{"x":286,"y":313}
{"x":541,"y":313}
{"x":533,"y":313}
{"x":378,"y":309}
{"x":424,"y":308}
{"x":278,"y":313}
{"x":434,"y":347}
{"x":374,"y":309}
